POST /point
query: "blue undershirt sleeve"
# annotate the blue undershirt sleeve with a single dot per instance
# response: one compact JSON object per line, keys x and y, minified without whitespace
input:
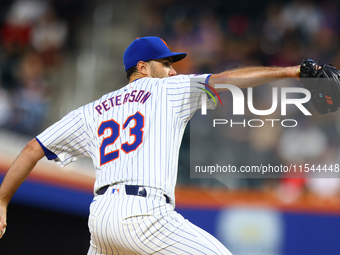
{"x":49,"y":154}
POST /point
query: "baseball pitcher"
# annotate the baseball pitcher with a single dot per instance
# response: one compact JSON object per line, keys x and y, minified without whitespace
{"x":133,"y":136}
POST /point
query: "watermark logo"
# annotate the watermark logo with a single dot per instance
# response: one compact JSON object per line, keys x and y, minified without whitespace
{"x":204,"y":97}
{"x":239,"y":102}
{"x":239,"y":99}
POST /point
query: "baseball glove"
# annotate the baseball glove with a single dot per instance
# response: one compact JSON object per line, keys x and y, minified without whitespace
{"x":323,"y":81}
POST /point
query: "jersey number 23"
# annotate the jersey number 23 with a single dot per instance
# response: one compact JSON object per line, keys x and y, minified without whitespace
{"x":136,"y":131}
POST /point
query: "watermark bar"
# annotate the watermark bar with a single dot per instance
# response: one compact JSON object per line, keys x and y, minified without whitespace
{"x":269,"y":131}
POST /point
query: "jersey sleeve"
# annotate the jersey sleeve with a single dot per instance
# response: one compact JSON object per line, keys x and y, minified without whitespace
{"x":185,"y":94}
{"x":66,"y":140}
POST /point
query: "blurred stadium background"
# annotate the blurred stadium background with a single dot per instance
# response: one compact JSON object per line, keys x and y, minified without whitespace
{"x":57,"y":55}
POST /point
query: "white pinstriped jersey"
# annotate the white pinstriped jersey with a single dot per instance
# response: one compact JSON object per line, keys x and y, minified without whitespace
{"x":133,"y":134}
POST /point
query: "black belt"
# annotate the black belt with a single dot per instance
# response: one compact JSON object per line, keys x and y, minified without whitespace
{"x":133,"y":190}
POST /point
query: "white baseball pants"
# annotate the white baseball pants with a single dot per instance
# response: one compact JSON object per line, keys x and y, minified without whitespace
{"x":127,"y":224}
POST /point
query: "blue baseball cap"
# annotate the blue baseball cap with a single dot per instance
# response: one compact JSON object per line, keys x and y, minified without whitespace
{"x":148,"y":48}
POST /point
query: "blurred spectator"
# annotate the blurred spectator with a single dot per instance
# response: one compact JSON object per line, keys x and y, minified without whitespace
{"x":208,"y":42}
{"x":31,"y":99}
{"x":17,"y":29}
{"x":26,"y":11}
{"x":298,"y":145}
{"x":301,"y":15}
{"x":48,"y":37}
{"x":289,"y":53}
{"x":32,"y":36}
{"x":16,"y":35}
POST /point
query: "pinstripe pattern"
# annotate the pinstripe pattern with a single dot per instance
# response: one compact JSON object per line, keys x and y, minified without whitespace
{"x":123,"y":224}
{"x":150,"y":114}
